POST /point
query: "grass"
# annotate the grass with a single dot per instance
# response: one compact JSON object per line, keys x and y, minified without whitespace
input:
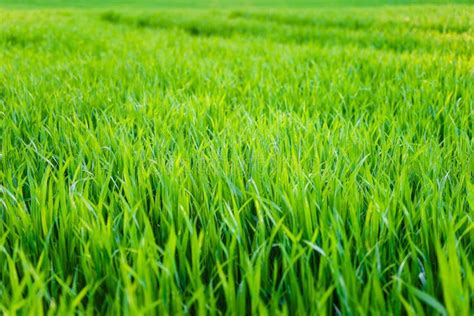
{"x":233,"y":161}
{"x":215,"y":3}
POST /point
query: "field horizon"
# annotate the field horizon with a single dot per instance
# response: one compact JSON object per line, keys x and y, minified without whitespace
{"x":222,"y":4}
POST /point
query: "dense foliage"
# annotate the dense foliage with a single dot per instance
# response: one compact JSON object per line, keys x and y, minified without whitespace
{"x":232,"y":161}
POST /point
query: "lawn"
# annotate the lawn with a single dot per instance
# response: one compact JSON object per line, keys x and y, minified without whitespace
{"x":236,"y":158}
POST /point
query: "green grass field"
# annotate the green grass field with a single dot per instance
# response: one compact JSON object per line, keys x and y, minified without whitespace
{"x":244,"y":160}
{"x":141,"y":4}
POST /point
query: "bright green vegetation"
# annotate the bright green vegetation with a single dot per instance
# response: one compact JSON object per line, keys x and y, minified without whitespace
{"x":232,"y":161}
{"x":215,"y":3}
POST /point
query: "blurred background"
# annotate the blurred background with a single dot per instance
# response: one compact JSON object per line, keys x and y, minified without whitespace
{"x":217,"y":3}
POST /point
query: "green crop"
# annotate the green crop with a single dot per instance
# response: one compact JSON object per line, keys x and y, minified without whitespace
{"x":237,"y":161}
